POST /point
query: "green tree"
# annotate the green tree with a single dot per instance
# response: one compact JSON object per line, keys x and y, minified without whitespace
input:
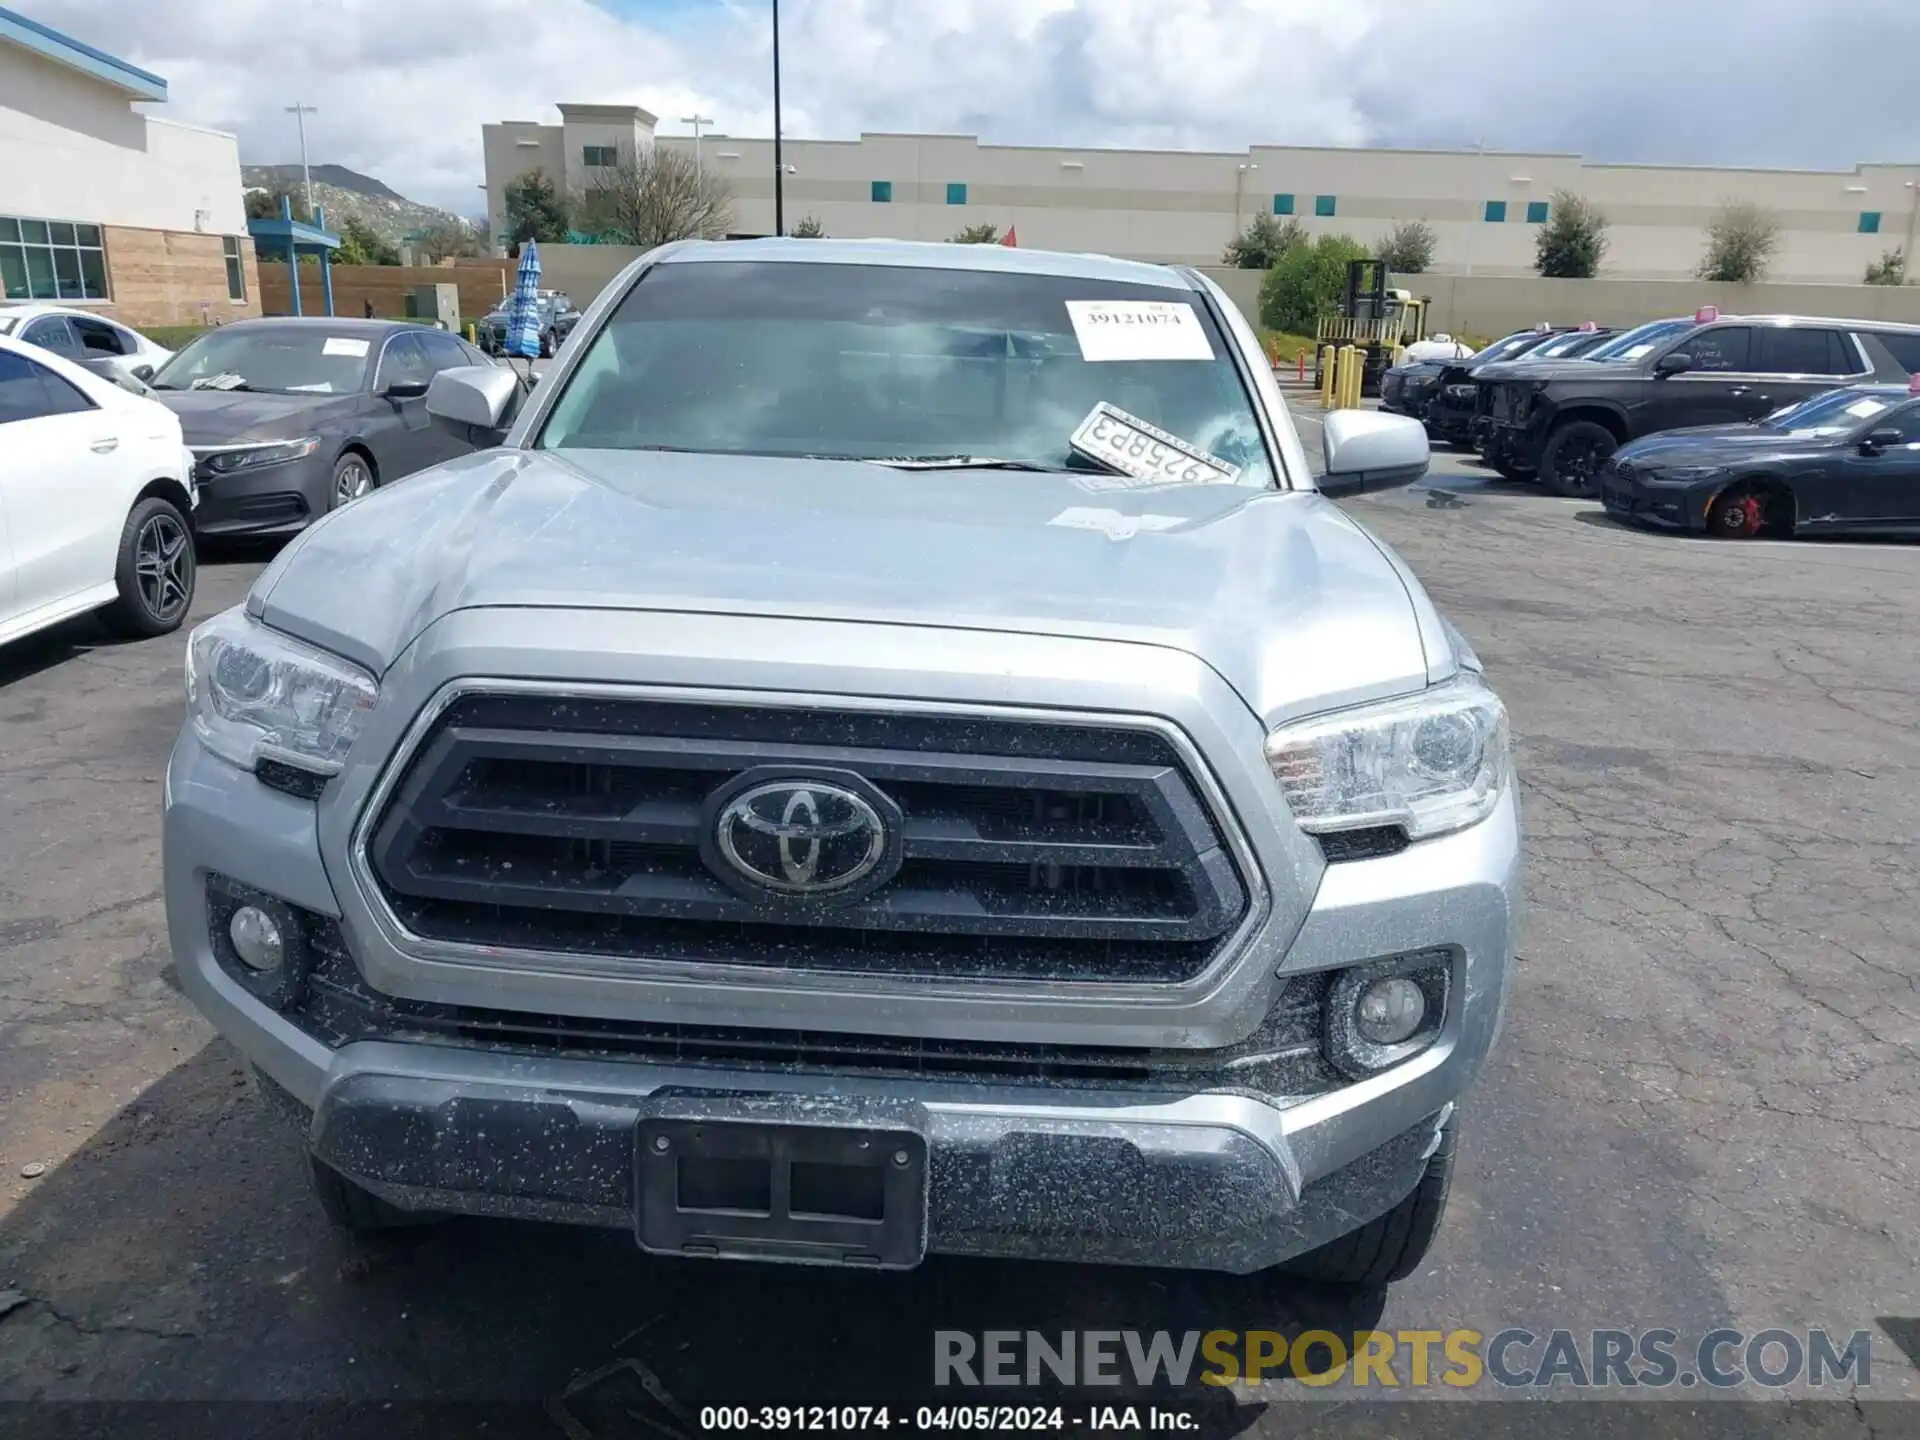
{"x":535,"y":210}
{"x":1572,"y":243}
{"x":1742,"y":240}
{"x":809,"y":228}
{"x":265,"y":204}
{"x":978,"y":235}
{"x":361,"y":244}
{"x":1408,"y":248}
{"x":1263,"y":242}
{"x":447,"y":240}
{"x":1889,"y":269}
{"x":1305,"y":287}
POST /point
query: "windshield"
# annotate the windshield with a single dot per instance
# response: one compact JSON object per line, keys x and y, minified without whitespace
{"x":289,"y":359}
{"x":895,"y":362}
{"x":1639,"y":340}
{"x":1837,"y":412}
{"x":1566,"y":345}
{"x":1505,"y":349}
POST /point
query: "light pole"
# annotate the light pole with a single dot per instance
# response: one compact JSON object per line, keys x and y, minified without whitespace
{"x":300,"y":113}
{"x":696,"y":120}
{"x":1239,"y":182}
{"x":1906,"y":255}
{"x":1480,"y":149}
{"x":779,"y":169}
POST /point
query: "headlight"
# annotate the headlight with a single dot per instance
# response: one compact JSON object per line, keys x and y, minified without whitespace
{"x":278,"y":452}
{"x":255,"y":694}
{"x":1431,"y":763}
{"x":1462,"y":392}
{"x":1684,"y":474}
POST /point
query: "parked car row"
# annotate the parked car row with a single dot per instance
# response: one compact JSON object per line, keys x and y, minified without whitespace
{"x":1768,"y":424}
{"x":113,"y":463}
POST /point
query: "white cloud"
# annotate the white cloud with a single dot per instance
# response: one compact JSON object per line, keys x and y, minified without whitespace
{"x":403,"y":88}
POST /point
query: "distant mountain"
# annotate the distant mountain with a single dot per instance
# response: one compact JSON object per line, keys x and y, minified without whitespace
{"x":342,"y":193}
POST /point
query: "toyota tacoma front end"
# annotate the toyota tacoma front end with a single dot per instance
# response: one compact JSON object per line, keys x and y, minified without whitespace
{"x":835,"y":848}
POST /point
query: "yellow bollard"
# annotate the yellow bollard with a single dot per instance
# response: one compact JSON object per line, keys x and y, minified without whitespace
{"x":1329,"y":368}
{"x":1355,"y":378}
{"x":1349,"y":376}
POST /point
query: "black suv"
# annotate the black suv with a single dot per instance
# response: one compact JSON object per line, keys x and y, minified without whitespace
{"x":1562,"y":419}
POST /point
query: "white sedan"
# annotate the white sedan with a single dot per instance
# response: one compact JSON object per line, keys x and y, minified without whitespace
{"x":95,"y":494}
{"x":104,"y":346}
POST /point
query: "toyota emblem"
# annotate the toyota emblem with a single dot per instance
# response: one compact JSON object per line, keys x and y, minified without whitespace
{"x":802,"y":837}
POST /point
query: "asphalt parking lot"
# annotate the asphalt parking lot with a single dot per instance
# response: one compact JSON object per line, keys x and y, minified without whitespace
{"x":1702,"y":1112}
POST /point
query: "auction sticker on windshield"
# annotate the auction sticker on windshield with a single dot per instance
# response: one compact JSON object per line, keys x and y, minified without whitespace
{"x":1138,"y":330}
{"x":344,"y":345}
{"x":1145,"y":454}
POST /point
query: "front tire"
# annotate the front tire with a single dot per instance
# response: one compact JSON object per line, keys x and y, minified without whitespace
{"x":155,"y":571}
{"x":1570,"y":465}
{"x":352,"y":479}
{"x":1740,"y":513}
{"x":1391,"y":1247}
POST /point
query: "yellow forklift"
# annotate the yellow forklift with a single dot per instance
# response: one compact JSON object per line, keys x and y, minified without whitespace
{"x":1375,"y":319}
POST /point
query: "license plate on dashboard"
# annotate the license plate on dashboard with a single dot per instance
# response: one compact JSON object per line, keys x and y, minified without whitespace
{"x":1144,"y":454}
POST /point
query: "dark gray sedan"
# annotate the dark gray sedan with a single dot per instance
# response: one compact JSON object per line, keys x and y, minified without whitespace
{"x":290,"y":418}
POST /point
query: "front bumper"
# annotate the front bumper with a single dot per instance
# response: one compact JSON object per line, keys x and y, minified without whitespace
{"x":1223,"y":1177}
{"x":273,"y":500}
{"x":1630,"y":496}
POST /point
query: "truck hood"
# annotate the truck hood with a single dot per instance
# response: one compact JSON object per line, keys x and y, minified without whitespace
{"x":1294,"y":604}
{"x":1577,"y":369}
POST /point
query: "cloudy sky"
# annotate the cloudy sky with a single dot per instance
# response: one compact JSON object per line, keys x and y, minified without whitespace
{"x":403,"y":86}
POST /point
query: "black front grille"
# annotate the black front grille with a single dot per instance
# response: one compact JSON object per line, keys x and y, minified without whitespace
{"x":1025,"y":850}
{"x":1283,"y":1056}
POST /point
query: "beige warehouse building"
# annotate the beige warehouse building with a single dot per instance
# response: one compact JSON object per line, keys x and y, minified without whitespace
{"x":1184,"y":206}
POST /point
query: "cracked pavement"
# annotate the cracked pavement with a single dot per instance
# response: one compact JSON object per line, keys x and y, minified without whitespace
{"x":1703,"y":1110}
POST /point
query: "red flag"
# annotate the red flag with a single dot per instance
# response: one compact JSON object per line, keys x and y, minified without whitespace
{"x":1012,"y":237}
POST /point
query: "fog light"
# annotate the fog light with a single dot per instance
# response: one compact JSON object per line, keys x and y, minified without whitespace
{"x":1387,"y":1012}
{"x":256,"y":939}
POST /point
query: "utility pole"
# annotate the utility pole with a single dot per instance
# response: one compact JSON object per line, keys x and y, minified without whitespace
{"x":779,"y":169}
{"x":300,"y":113}
{"x":696,"y":120}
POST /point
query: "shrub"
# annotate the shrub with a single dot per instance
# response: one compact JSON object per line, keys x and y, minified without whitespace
{"x":1741,"y":242}
{"x":1306,"y":285}
{"x":1263,"y":242}
{"x":1408,"y":248}
{"x":1572,"y":243}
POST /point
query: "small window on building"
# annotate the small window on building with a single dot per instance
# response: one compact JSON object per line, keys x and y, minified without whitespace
{"x":599,"y":157}
{"x":956,"y":194}
{"x":1283,"y":204}
{"x":51,"y":260}
{"x":1537,"y":212}
{"x":1496,"y":212}
{"x":236,"y":268}
{"x":883,"y":192}
{"x":1869,"y":222}
{"x":1324,"y":204}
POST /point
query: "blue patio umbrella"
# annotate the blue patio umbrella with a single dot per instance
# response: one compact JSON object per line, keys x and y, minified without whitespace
{"x":523,"y":321}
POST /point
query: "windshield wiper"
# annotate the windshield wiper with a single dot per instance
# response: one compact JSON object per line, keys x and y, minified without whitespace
{"x":975,"y":462}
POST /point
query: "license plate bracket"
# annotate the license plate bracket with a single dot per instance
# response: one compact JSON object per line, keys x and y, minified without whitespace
{"x":777,"y":1190}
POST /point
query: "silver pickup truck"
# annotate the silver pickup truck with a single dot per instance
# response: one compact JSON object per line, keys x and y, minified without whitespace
{"x":890,"y":751}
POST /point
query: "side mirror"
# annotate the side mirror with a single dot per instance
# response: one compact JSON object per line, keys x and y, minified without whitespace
{"x":1367,"y":450}
{"x":143,"y":372}
{"x":1672,"y":364}
{"x":1874,"y":441}
{"x":481,"y":396}
{"x":405,"y":390}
